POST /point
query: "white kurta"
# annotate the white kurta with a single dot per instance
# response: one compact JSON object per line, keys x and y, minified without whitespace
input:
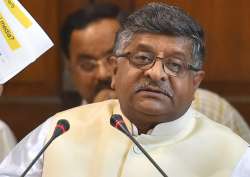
{"x":7,"y":140}
{"x":243,"y":168}
{"x":192,"y":146}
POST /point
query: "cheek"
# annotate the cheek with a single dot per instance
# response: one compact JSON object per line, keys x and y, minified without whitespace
{"x":184,"y":91}
{"x":82,"y":76}
{"x":84,"y":81}
{"x":125,"y":80}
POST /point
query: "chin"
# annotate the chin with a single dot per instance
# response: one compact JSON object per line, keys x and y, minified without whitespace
{"x":151,"y":107}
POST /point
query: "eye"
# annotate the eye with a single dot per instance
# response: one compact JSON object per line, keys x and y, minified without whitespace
{"x":88,"y":65}
{"x":142,"y":58}
{"x":175,"y":65}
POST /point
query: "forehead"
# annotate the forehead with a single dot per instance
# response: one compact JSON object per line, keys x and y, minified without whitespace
{"x":161,"y":44}
{"x":97,"y":37}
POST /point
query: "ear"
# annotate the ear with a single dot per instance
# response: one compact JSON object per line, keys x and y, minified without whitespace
{"x":198,"y":77}
{"x":113,"y":63}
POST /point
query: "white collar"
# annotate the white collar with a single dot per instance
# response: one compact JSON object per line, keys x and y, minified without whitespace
{"x":169,"y":130}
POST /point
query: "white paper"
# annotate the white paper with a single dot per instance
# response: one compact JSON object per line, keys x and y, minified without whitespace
{"x":22,"y":40}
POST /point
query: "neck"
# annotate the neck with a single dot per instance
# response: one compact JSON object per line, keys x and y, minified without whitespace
{"x":145,"y":124}
{"x":143,"y":128}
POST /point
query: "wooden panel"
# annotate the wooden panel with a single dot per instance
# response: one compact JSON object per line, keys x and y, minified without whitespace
{"x":227,"y":42}
{"x":243,"y":108}
{"x":24,"y":115}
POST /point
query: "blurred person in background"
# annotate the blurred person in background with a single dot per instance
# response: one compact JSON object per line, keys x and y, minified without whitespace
{"x":87,"y":39}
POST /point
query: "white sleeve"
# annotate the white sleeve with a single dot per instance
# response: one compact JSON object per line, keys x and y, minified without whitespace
{"x":7,"y":140}
{"x":243,"y":167}
{"x":24,"y":152}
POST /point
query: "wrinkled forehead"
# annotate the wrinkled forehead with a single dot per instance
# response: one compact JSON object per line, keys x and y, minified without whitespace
{"x":160,"y":44}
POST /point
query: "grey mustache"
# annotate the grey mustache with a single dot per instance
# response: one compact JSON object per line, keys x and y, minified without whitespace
{"x":158,"y":87}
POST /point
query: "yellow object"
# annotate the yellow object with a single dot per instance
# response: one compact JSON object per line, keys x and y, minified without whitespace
{"x":8,"y":34}
{"x":16,"y":11}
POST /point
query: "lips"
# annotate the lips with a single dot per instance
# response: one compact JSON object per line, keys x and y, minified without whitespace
{"x":155,"y":90}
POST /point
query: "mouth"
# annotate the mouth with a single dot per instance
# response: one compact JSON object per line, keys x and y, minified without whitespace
{"x":154,"y":90}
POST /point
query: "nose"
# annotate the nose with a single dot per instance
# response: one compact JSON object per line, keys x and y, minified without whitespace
{"x":156,"y":72}
{"x":103,"y":71}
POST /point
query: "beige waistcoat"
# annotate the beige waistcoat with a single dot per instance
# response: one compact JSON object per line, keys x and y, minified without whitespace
{"x":92,"y":148}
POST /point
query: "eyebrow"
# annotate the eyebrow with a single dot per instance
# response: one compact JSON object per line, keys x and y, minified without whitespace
{"x":144,"y":47}
{"x":83,"y":56}
{"x":148,"y":48}
{"x":178,"y":54}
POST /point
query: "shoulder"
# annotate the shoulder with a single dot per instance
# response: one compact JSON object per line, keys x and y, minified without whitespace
{"x":205,"y":123}
{"x":3,"y":125}
{"x":88,"y":113}
{"x":90,"y":109}
{"x":217,"y":131}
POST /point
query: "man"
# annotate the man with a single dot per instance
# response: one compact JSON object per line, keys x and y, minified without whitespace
{"x":157,"y":66}
{"x":7,"y":138}
{"x":87,"y":48}
{"x":87,"y":38}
